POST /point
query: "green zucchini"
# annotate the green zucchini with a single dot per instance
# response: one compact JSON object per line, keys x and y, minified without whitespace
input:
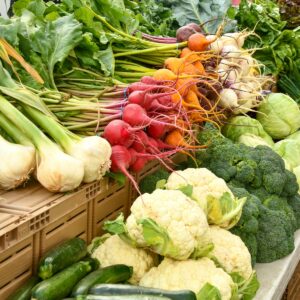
{"x":61,"y":284}
{"x":122,"y":297}
{"x":24,"y":292}
{"x":61,"y":257}
{"x":126,"y":289}
{"x":93,"y":262}
{"x":110,"y":274}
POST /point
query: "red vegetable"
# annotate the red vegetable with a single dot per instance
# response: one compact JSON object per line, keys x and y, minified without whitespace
{"x":135,"y":115}
{"x":118,"y":132}
{"x":121,"y":159}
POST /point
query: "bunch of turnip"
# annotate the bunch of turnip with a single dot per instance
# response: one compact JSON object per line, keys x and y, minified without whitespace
{"x":238,"y":72}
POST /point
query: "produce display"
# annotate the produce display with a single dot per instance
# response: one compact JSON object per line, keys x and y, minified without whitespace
{"x":94,"y":89}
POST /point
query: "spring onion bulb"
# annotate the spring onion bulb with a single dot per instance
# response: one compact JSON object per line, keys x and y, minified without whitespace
{"x":17,"y":162}
{"x":56,"y":170}
{"x":93,"y":151}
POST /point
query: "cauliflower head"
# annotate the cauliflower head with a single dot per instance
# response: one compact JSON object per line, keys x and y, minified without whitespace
{"x":194,"y":275}
{"x":168,"y":223}
{"x":211,"y":193}
{"x":113,"y":250}
{"x":230,"y":252}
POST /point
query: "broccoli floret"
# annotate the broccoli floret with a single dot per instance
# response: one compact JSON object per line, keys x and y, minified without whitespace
{"x":294,"y":203}
{"x":246,"y":171}
{"x":148,"y":183}
{"x":291,"y":187}
{"x":278,"y":203}
{"x":248,"y":225}
{"x":275,"y":237}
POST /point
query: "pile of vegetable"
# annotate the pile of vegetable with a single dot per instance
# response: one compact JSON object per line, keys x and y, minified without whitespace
{"x":169,"y":248}
{"x":277,"y":28}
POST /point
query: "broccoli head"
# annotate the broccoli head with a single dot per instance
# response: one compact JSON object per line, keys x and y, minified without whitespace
{"x":275,"y":237}
{"x":148,"y":183}
{"x":254,"y":168}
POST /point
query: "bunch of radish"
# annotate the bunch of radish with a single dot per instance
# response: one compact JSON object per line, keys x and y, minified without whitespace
{"x":148,"y":116}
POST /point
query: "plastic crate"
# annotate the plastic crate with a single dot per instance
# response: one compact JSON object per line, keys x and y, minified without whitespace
{"x":33,"y":220}
{"x":109,"y":205}
{"x":73,"y":224}
{"x":37,"y":208}
{"x":16,"y":266}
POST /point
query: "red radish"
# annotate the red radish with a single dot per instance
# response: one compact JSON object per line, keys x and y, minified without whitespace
{"x":139,"y":164}
{"x":135,"y":115}
{"x":140,"y":86}
{"x":141,"y":141}
{"x":152,"y":143}
{"x":157,"y":131}
{"x":151,"y":101}
{"x":118,"y":132}
{"x":120,"y":162}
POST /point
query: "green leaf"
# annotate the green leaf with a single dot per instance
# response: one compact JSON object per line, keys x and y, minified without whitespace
{"x":158,"y":239}
{"x":19,"y":6}
{"x":210,"y":12}
{"x":9,"y":30}
{"x":55,"y":41}
{"x":96,"y":242}
{"x":118,"y":226}
{"x":187,"y":190}
{"x":106,"y":60}
{"x":210,"y":292}
{"x":119,"y":177}
{"x":225,"y":211}
{"x":246,"y":288}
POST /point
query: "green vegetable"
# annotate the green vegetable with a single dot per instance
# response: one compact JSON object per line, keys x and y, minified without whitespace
{"x":61,"y":284}
{"x":61,"y":257}
{"x":252,"y":140}
{"x":279,"y":115}
{"x":110,"y":274}
{"x":209,"y":291}
{"x":290,"y":12}
{"x":154,"y":17}
{"x":121,"y":289}
{"x":124,"y":297}
{"x":239,"y":126}
{"x":207,"y":13}
{"x":259,"y":173}
{"x":24,"y":292}
{"x":289,"y":150}
{"x":148,"y":183}
{"x":246,"y":288}
{"x":279,"y":49}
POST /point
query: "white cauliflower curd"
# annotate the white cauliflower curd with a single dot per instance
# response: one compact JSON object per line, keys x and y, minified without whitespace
{"x":114,"y":251}
{"x":211,"y":193}
{"x":230,"y":252}
{"x":168,"y":223}
{"x":191,"y":275}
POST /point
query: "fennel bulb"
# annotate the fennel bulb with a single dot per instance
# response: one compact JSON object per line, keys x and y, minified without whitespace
{"x":17,"y":162}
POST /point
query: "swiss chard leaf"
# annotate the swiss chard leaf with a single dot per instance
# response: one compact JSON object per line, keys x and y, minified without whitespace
{"x":54,"y":41}
{"x":210,"y":13}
